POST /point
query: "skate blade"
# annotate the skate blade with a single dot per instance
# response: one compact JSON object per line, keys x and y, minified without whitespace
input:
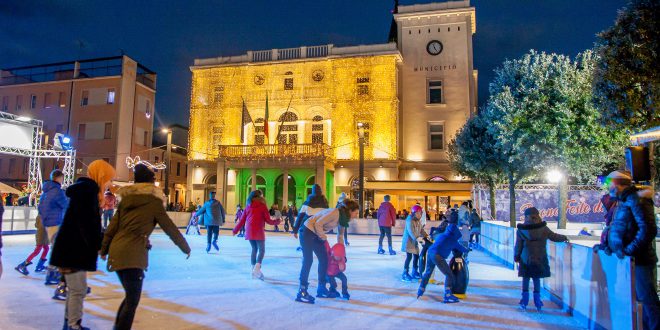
{"x":460,"y":296}
{"x":305,"y":301}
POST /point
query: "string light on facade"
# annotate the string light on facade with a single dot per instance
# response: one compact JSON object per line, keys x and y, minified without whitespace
{"x":132,"y":162}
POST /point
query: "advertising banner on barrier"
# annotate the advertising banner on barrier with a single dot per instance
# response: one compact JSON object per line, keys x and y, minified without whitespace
{"x":582,"y":205}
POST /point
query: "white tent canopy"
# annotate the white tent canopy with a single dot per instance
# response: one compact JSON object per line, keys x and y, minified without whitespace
{"x":650,"y":135}
{"x":8,"y":189}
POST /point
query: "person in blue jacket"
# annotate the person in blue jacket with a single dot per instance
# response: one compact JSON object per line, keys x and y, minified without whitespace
{"x":437,"y":257}
{"x":52,"y":205}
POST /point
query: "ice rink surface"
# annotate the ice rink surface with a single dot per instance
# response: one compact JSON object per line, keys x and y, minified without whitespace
{"x":216,"y":291}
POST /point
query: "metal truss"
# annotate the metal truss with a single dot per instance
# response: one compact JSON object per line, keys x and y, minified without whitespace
{"x":484,"y":187}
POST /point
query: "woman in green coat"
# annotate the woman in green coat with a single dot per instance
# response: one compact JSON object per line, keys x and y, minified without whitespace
{"x":127,"y":239}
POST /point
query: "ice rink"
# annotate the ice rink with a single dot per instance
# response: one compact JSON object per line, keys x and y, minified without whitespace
{"x":216,"y":291}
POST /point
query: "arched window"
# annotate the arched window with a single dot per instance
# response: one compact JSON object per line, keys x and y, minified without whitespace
{"x":288,"y":130}
{"x":437,"y":178}
{"x":259,"y":135}
{"x":317,"y":129}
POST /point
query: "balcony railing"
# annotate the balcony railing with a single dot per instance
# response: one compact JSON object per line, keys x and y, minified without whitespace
{"x":285,"y":152}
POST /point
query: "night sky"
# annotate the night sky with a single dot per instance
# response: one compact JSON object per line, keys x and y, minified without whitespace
{"x":167,"y":35}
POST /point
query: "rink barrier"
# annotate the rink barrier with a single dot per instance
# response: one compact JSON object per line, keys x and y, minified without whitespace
{"x":498,"y":240}
{"x":19,"y":219}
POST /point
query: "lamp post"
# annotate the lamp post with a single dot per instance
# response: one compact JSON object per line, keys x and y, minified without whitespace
{"x":557,"y":177}
{"x":168,"y":156}
{"x":361,"y":169}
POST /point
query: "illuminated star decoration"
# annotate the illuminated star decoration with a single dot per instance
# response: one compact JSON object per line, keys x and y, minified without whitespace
{"x":131,"y":162}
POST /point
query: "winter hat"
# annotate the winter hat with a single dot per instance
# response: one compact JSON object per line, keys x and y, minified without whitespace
{"x":342,"y":197}
{"x":415,"y":208}
{"x":143,"y":174}
{"x":531,"y":211}
{"x":102,"y":173}
{"x":453,"y":218}
{"x":620,"y":177}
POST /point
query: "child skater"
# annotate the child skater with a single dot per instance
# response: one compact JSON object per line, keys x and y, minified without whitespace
{"x":254,"y":218}
{"x":239,"y":213}
{"x":437,"y":257}
{"x":336,"y":268}
{"x":531,"y":254}
{"x":409,"y":245}
{"x":42,"y":245}
{"x":194,"y":221}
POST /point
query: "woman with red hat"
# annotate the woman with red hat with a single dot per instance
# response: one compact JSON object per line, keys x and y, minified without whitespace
{"x":409,"y":245}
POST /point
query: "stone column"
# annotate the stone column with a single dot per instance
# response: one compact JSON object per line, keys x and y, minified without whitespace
{"x":320,"y":176}
{"x":285,"y":188}
{"x":221,"y":182}
{"x":254,"y":180}
{"x":189,"y":183}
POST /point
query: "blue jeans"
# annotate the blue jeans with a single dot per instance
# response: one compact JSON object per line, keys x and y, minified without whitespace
{"x":312,"y":244}
{"x":645,"y":287}
{"x":107,"y":215}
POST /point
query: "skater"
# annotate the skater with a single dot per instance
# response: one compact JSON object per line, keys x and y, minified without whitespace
{"x":276,"y":214}
{"x":336,"y":268}
{"x":610,"y":204}
{"x":239,"y":213}
{"x":437,"y":257}
{"x":632,"y":233}
{"x":214,"y":217}
{"x":78,"y":241}
{"x":475,"y":228}
{"x":52,"y":204}
{"x":314,"y":203}
{"x":125,"y":243}
{"x":409,"y":245}
{"x":194,"y":222}
{"x":386,"y":220}
{"x":340,"y":200}
{"x":42,"y":245}
{"x":255,"y":217}
{"x":463,"y":215}
{"x":290,"y":218}
{"x":531,"y":254}
{"x":109,"y":204}
{"x":312,"y":239}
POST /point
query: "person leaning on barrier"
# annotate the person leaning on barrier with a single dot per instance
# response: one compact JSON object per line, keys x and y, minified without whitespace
{"x":632,"y":233}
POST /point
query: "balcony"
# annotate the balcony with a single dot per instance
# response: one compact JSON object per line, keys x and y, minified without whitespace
{"x":285,"y":152}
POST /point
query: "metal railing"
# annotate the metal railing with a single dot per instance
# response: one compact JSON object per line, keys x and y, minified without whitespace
{"x":288,"y":53}
{"x":317,"y":151}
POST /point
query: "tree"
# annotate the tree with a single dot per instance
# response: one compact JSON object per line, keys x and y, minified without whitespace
{"x":627,"y":79}
{"x":540,"y":109}
{"x":473,"y":153}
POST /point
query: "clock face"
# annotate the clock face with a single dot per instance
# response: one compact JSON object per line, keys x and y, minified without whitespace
{"x":317,"y":75}
{"x":434,"y":47}
{"x":259,"y":79}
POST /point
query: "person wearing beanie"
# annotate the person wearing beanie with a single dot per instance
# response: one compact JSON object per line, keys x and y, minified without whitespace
{"x":632,"y":233}
{"x":531,"y":254}
{"x":76,"y":248}
{"x":126,"y":241}
{"x":386,"y":220}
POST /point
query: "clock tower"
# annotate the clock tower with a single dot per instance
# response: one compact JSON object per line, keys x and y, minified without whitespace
{"x":437,"y":83}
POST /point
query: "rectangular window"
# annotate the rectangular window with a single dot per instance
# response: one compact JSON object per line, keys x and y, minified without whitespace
{"x":111,"y":96}
{"x":259,"y":139}
{"x":81,"y":131}
{"x":47,"y":100}
{"x":434,"y":92}
{"x":363,"y":86}
{"x":218,"y":94}
{"x":107,"y":133}
{"x":61,"y":100}
{"x":59,"y":128}
{"x":5,"y":103}
{"x":85,"y":98}
{"x":178,"y":168}
{"x":146,"y":137}
{"x":288,"y":84}
{"x":19,"y":102}
{"x":436,"y":135}
{"x":33,"y":101}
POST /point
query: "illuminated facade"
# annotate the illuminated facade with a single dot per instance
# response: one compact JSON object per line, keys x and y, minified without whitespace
{"x":411,"y":96}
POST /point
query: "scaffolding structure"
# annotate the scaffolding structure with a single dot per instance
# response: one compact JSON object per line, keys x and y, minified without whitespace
{"x":36,"y":153}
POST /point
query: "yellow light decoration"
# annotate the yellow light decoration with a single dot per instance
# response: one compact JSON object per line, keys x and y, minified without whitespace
{"x":217,"y":94}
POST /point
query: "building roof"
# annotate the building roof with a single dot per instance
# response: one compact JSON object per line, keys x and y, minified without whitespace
{"x":297,"y":54}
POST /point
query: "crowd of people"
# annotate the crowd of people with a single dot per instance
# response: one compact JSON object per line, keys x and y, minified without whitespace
{"x":87,"y":220}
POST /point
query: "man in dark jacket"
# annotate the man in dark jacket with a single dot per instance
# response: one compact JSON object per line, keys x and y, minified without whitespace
{"x":314,"y":203}
{"x":214,"y":217}
{"x":386,"y":220}
{"x":632,"y":233}
{"x":52,"y":204}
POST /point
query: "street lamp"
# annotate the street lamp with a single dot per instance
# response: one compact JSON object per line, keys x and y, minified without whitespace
{"x":554,"y":176}
{"x":168,"y":160}
{"x":557,"y":177}
{"x":360,"y":127}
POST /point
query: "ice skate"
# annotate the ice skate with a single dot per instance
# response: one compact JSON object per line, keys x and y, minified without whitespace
{"x":322,"y":292}
{"x":208,"y":248}
{"x":345,"y":296}
{"x":381,"y":251}
{"x":333,"y":293}
{"x":303,"y":296}
{"x":60,"y":292}
{"x":420,"y":292}
{"x":40,"y":266}
{"x":22,"y":267}
{"x":524,"y":300}
{"x":256,"y":272}
{"x":450,"y":298}
{"x":392,"y":252}
{"x":215,"y":246}
{"x":415,"y":274}
{"x":537,"y":301}
{"x":405,"y":277}
{"x":52,"y":277}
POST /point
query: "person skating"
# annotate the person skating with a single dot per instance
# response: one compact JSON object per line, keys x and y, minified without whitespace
{"x":409,"y":245}
{"x":531,"y":254}
{"x":340,"y":200}
{"x":475,"y":228}
{"x":239,"y":213}
{"x":125,"y":243}
{"x":254,"y":220}
{"x":437,"y":257}
{"x":290,"y":218}
{"x":632,"y":233}
{"x":214,"y":217}
{"x":194,"y":221}
{"x":312,"y":240}
{"x":42,"y":245}
{"x":52,"y":204}
{"x":386,"y":220}
{"x":109,"y":204}
{"x":336,"y":268}
{"x":314,"y":203}
{"x":76,"y":248}
{"x":276,"y":214}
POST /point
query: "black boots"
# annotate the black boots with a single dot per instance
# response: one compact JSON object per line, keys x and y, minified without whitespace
{"x":304,"y":296}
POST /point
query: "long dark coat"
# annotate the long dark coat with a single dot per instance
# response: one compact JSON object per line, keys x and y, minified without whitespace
{"x":530,"y":251}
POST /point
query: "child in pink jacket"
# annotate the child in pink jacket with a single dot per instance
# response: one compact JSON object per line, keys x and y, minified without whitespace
{"x":336,"y":267}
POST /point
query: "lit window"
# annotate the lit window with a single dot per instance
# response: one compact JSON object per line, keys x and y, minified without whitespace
{"x":107,"y":133}
{"x":218,"y":94}
{"x":363,"y":86}
{"x":288,"y":84}
{"x":147,"y":111}
{"x":33,"y":101}
{"x":434,"y":92}
{"x":436,"y":135}
{"x":111,"y":96}
{"x":85,"y":98}
{"x":317,"y":130}
{"x":47,"y":100}
{"x":61,"y":100}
